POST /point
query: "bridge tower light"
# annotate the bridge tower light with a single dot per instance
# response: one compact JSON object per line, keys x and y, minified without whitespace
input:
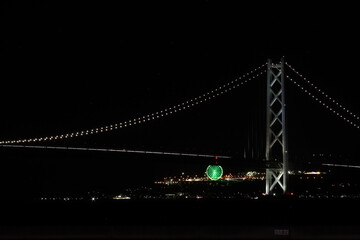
{"x":276,"y":154}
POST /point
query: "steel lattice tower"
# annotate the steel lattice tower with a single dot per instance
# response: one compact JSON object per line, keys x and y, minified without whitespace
{"x":276,"y":142}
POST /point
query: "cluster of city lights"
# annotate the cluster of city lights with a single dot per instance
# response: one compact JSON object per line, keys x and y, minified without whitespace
{"x":323,"y":93}
{"x":324,"y":104}
{"x":248,"y":176}
{"x":225,"y":88}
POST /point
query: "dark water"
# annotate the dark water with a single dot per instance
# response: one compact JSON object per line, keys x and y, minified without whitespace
{"x":240,"y":219}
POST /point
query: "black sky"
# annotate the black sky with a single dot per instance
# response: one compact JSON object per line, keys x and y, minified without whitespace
{"x":69,"y":66}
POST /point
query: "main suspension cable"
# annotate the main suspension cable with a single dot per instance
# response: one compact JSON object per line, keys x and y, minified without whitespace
{"x":225,"y":88}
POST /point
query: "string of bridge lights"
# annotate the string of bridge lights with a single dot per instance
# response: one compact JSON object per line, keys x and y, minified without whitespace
{"x":225,"y":88}
{"x":117,"y":150}
{"x":323,"y":104}
{"x":323,"y":93}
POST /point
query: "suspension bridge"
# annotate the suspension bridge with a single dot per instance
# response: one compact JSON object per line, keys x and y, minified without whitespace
{"x":276,"y":128}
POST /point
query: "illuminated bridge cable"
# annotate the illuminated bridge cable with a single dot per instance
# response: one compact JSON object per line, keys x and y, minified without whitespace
{"x":324,"y":104}
{"x":223,"y":89}
{"x":324,"y":94}
{"x":340,"y":165}
{"x":117,"y":150}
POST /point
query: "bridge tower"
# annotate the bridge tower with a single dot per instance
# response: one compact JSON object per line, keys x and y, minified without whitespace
{"x":276,"y":155}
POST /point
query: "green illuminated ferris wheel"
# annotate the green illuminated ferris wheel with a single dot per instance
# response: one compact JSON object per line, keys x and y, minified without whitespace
{"x":214,"y":172}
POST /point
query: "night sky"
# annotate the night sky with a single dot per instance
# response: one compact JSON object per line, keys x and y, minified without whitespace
{"x":68,"y":66}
